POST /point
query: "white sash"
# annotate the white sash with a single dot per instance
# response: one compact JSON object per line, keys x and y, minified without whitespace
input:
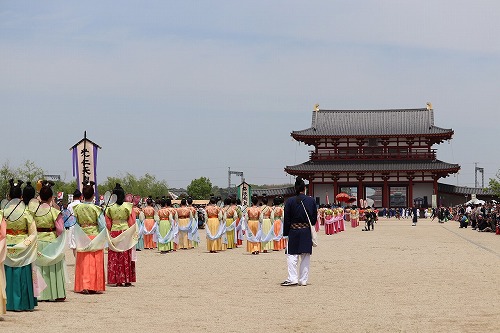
{"x":124,"y":241}
{"x":220,"y":231}
{"x":170,"y":236}
{"x":85,"y":244}
{"x":250,"y":236}
{"x":22,"y":254}
{"x":54,"y":252}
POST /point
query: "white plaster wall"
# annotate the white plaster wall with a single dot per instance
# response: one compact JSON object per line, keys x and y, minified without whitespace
{"x":423,"y":189}
{"x":320,"y":191}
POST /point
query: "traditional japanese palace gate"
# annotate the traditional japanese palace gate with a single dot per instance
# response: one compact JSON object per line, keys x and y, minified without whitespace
{"x":382,"y":156}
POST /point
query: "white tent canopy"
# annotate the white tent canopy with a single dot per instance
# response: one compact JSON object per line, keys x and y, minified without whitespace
{"x":475,"y":202}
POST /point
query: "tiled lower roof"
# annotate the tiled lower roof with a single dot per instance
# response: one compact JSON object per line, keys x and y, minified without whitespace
{"x":272,"y":192}
{"x":463,"y":190}
{"x":371,"y":166}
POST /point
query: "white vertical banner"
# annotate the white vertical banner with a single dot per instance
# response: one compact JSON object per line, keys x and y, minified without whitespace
{"x":244,"y":191}
{"x":84,"y":155}
{"x":434,"y":201}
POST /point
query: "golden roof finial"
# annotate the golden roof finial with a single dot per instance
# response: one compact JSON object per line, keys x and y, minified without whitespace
{"x":316,"y":107}
{"x":429,"y":106}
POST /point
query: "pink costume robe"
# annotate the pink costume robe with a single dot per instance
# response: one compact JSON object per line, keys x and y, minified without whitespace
{"x":121,"y":267}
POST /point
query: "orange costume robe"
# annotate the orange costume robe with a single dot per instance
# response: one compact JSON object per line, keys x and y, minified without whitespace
{"x":149,"y":222}
{"x":277,"y":214}
{"x":231,"y":216}
{"x":252,"y":216}
{"x":184,"y":214}
{"x":213,"y":214}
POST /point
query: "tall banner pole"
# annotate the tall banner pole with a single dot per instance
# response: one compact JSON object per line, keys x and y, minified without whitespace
{"x":84,"y":154}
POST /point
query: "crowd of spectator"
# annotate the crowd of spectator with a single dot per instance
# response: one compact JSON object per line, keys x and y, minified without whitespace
{"x":481,"y":217}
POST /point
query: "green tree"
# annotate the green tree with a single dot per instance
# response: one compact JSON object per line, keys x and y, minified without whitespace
{"x":145,"y":186}
{"x":6,"y":173}
{"x":66,"y":187}
{"x":30,"y":172}
{"x":200,"y":188}
{"x":494,"y":184}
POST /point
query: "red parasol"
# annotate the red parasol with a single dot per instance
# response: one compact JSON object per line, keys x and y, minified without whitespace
{"x":342,"y":197}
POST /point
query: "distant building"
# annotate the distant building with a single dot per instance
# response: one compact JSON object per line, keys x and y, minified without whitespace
{"x":382,"y":156}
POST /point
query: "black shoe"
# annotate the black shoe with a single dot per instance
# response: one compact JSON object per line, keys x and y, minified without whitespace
{"x":288,"y":283}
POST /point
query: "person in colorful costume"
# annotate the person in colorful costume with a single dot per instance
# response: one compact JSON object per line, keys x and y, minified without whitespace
{"x":267,"y":225}
{"x":77,"y":196}
{"x":330,"y":227}
{"x":279,"y":242}
{"x":139,"y":220}
{"x":213,"y":223}
{"x":89,"y":267}
{"x":21,"y":253}
{"x":239,"y":211}
{"x":3,"y":253}
{"x":340,"y":219}
{"x":354,"y":214}
{"x":230,"y":216}
{"x":119,"y":218}
{"x":50,"y":231}
{"x":149,"y":224}
{"x":167,"y":219}
{"x":252,"y":216}
{"x":184,"y":214}
{"x":195,"y":237}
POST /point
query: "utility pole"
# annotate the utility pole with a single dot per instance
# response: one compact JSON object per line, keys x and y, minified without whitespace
{"x":236,"y":173}
{"x":476,"y":170}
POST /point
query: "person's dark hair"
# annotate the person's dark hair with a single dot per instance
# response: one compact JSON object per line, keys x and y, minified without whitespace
{"x":77,"y":194}
{"x":15,"y":191}
{"x":233,"y":201}
{"x":163,"y":202}
{"x":183,"y":202}
{"x":168,"y":202}
{"x":276,"y":201}
{"x":28,"y":193}
{"x":255,"y":199}
{"x":213,"y":200}
{"x":46,"y":191}
{"x":265,"y":199}
{"x":120,"y":194}
{"x":238,"y":201}
{"x":149,"y":200}
{"x":88,"y":190}
{"x":189,"y":201}
{"x":299,"y":186}
{"x":227,"y":201}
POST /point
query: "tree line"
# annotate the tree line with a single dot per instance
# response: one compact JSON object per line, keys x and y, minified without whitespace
{"x":144,"y":186}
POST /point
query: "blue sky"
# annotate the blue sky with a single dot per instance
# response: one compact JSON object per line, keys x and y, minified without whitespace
{"x":185,"y":89}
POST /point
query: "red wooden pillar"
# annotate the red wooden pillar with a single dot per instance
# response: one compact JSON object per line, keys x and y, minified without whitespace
{"x":310,"y":189}
{"x":410,"y":191}
{"x":436,"y":177}
{"x":385,"y":192}
{"x":335,"y":186}
{"x":360,"y":187}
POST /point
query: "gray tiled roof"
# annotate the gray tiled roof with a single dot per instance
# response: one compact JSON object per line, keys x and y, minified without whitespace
{"x":370,"y":166}
{"x":463,"y":189}
{"x":372,"y":123}
{"x":271,"y":192}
